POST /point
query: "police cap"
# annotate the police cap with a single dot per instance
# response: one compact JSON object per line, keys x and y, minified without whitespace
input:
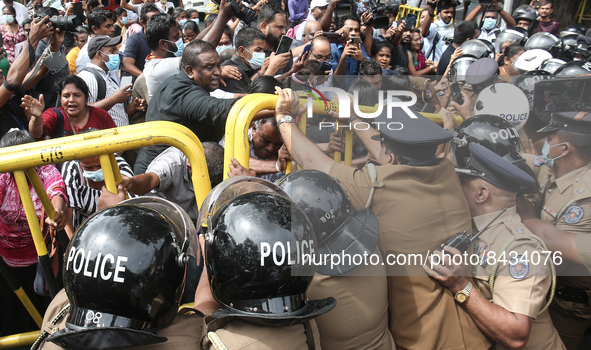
{"x":410,"y":133}
{"x":491,"y":167}
{"x":481,"y":71}
{"x":565,"y":121}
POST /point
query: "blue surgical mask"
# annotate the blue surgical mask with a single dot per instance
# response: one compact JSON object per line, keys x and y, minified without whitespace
{"x":182,"y":22}
{"x":196,"y":20}
{"x":95,"y":176}
{"x":489,"y":23}
{"x":113,"y":62}
{"x":257,"y":59}
{"x":546,"y":152}
{"x":221,"y":49}
{"x":124,"y":20}
{"x":9,"y":19}
{"x":180,"y":46}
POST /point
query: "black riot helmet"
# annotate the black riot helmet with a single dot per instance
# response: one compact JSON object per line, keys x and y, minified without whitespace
{"x":476,"y":48}
{"x":576,"y":28}
{"x":124,"y":273}
{"x":494,"y":133}
{"x":527,"y":13}
{"x":544,"y":41}
{"x":258,"y":251}
{"x":569,"y":45}
{"x":551,"y":65}
{"x":338,"y":226}
{"x":459,"y":67}
{"x":515,"y":35}
{"x":526,"y":83}
{"x":573,"y":69}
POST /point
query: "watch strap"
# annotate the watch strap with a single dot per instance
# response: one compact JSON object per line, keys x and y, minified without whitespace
{"x":285,"y":119}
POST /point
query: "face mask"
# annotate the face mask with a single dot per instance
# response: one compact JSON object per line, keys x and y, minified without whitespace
{"x":113,"y":62}
{"x":326,"y":66}
{"x":257,"y":59}
{"x":489,"y":23}
{"x":221,"y":49}
{"x":546,"y":152}
{"x":96,"y":176}
{"x":9,"y":19}
{"x":180,"y":46}
{"x":440,"y":23}
{"x":182,"y":22}
{"x":66,"y":5}
{"x":196,"y":20}
{"x":124,"y":20}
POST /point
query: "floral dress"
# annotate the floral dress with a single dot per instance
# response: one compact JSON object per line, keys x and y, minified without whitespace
{"x":10,"y":40}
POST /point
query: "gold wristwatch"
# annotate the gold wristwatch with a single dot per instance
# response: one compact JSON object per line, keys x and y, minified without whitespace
{"x":463,"y":295}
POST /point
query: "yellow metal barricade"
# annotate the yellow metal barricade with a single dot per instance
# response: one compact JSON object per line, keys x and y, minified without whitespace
{"x":18,"y":340}
{"x":22,"y":159}
{"x":404,"y":10}
{"x":241,"y":119}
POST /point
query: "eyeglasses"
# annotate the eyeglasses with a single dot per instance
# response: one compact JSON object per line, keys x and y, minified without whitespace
{"x":322,"y":58}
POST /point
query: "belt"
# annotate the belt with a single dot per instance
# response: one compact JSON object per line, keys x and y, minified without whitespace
{"x":571,"y":294}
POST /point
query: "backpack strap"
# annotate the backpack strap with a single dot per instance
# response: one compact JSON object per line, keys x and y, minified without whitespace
{"x":59,"y":130}
{"x":102,"y":85}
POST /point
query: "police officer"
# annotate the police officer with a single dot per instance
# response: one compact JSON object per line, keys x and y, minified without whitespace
{"x":258,"y":246}
{"x":504,"y":272}
{"x":360,"y":288}
{"x":564,"y":174}
{"x":418,"y":202}
{"x":124,"y":273}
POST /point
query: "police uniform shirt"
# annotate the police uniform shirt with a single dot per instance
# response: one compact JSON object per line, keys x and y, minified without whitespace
{"x":232,"y":333}
{"x":360,"y":318}
{"x":418,"y":208}
{"x":583,"y":243}
{"x":182,"y":334}
{"x":521,"y":287}
{"x":565,"y":203}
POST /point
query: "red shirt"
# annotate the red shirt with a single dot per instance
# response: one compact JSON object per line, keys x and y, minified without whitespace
{"x":551,"y":27}
{"x":97,"y":118}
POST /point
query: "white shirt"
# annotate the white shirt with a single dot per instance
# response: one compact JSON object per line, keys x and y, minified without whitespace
{"x":167,"y":6}
{"x":436,"y":30}
{"x":21,"y":13}
{"x":82,"y":60}
{"x":117,"y":112}
{"x":491,"y":36}
{"x":158,"y":69}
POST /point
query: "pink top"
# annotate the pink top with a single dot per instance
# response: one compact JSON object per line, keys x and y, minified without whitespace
{"x":10,"y":40}
{"x":16,"y":242}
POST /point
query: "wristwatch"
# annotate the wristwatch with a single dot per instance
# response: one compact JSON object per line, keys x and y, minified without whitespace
{"x":463,"y":295}
{"x":285,"y":119}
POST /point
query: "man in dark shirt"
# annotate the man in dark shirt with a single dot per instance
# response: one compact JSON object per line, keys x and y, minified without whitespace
{"x":249,"y":42}
{"x":464,"y":31}
{"x":546,"y":23}
{"x":136,"y":47}
{"x":184,"y":98}
{"x":272,"y":21}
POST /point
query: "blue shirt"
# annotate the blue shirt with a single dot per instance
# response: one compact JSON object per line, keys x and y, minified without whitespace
{"x":336,"y":50}
{"x":298,"y":10}
{"x":138,"y":49}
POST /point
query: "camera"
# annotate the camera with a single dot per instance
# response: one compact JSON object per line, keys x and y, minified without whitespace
{"x":245,"y":14}
{"x":66,"y":23}
{"x":378,"y":19}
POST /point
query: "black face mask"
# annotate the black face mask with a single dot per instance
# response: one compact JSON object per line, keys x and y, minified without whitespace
{"x":37,"y":7}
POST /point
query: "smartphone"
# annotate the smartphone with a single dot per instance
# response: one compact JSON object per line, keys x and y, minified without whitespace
{"x":333,"y":38}
{"x":307,"y":49}
{"x":126,"y":80}
{"x":487,"y":2}
{"x":456,"y":92}
{"x":284,"y":45}
{"x":355,"y":40}
{"x":78,"y":11}
{"x":411,"y":21}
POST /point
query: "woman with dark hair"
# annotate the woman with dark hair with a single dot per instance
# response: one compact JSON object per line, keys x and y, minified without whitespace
{"x":12,"y":32}
{"x":506,"y":59}
{"x":73,"y":116}
{"x":264,"y":85}
{"x":382,"y":53}
{"x":417,"y":64}
{"x":190,"y":31}
{"x":121,"y":20}
{"x":180,"y":16}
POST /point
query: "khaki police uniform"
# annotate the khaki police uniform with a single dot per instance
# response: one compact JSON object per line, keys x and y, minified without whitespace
{"x":520,"y":288}
{"x":360,"y":319}
{"x":233,"y":333}
{"x":565,"y":202}
{"x":418,"y":208}
{"x":182,"y":334}
{"x":583,"y":243}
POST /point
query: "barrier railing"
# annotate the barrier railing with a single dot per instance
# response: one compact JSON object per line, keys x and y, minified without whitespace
{"x":22,"y":160}
{"x":243,"y":112}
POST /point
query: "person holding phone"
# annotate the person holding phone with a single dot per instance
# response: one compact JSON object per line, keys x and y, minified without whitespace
{"x":436,"y":33}
{"x":417,"y":64}
{"x":490,"y":25}
{"x":347,"y":54}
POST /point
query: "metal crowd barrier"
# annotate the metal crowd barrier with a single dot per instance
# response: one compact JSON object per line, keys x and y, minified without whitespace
{"x":242,"y":114}
{"x":404,"y":10}
{"x":21,"y":160}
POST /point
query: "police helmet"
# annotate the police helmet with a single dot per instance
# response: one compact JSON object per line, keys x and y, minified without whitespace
{"x":569,"y":45}
{"x":544,"y":41}
{"x":476,"y":48}
{"x":530,"y":60}
{"x":526,"y":83}
{"x":551,"y":65}
{"x":124,"y":273}
{"x":494,"y":133}
{"x":573,"y":69}
{"x":515,"y":35}
{"x":576,"y":28}
{"x":339,"y":227}
{"x":459,"y":67}
{"x":525,"y":12}
{"x":258,"y":251}
{"x":503,"y":100}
